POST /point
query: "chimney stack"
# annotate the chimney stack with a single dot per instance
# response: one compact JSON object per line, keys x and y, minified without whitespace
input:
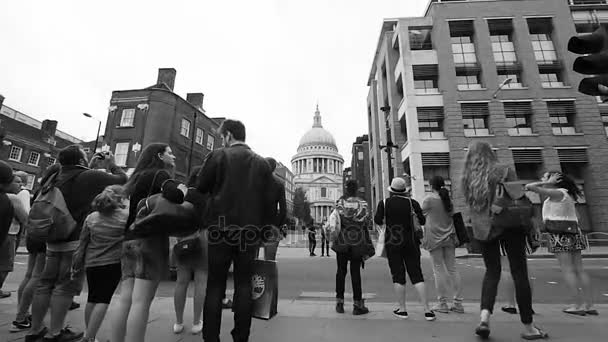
{"x":196,"y":99}
{"x":1,"y":100}
{"x":167,"y":76}
{"x":49,"y":128}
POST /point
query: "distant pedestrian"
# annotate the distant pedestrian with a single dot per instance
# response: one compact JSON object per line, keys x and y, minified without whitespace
{"x":25,"y":198}
{"x":143,"y":259}
{"x":79,"y":186}
{"x":481,"y":176}
{"x":352,"y":245}
{"x":560,"y":206}
{"x":99,"y":253}
{"x":441,"y":241}
{"x":237,"y":179}
{"x":272,"y":233}
{"x":325,"y":237}
{"x":402,"y":244}
{"x":311,"y":229}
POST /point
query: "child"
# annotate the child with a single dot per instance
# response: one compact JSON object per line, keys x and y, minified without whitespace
{"x":99,"y":252}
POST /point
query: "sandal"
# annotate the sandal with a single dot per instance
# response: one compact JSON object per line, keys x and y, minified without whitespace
{"x":540,"y":335}
{"x":510,"y":310}
{"x":576,"y":312}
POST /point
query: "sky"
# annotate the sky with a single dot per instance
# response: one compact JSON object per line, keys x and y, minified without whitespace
{"x":264,"y":62}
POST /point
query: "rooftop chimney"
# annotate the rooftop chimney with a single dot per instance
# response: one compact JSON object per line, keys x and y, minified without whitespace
{"x":196,"y":99}
{"x":49,"y":127}
{"x":1,"y":100}
{"x":166,"y":76}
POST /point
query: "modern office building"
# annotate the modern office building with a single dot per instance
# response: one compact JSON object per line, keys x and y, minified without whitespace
{"x":139,"y":117}
{"x":286,"y":176}
{"x":496,"y":71}
{"x":360,"y":169}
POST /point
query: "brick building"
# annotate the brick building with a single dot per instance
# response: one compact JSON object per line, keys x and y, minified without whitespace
{"x":139,"y":117}
{"x":435,"y":86}
{"x":359,"y":168}
{"x":30,"y":145}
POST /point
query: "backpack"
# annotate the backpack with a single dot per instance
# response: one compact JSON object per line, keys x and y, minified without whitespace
{"x":511,"y":208}
{"x":50,"y":219}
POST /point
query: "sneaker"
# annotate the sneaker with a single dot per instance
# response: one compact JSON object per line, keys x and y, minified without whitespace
{"x":197,"y":328}
{"x":430,"y":316}
{"x":457,"y":308}
{"x":483,"y":330}
{"x":36,"y":337}
{"x":74,"y":306}
{"x":340,"y":307}
{"x":226,"y":303}
{"x":441,"y":307}
{"x":4,"y":294}
{"x":359,"y":308}
{"x":65,"y":335}
{"x":21,"y":325}
{"x":178,"y":328}
{"x":400,"y":314}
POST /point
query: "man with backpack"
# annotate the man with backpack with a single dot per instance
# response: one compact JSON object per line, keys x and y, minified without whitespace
{"x":77,"y":185}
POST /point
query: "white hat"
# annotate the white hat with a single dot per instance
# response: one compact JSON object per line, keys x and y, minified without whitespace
{"x":398,"y":186}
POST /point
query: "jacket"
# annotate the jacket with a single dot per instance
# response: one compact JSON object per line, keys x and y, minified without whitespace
{"x":237,"y":180}
{"x":278,"y":199}
{"x":101,"y":239}
{"x":353,"y":234}
{"x":6,"y":216}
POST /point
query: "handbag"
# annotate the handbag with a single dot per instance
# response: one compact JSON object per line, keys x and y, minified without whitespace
{"x":416,"y":226}
{"x":461,"y":230}
{"x":561,"y":227}
{"x":381,"y":243}
{"x":264,"y":289}
{"x":190,"y":247}
{"x":511,"y":208}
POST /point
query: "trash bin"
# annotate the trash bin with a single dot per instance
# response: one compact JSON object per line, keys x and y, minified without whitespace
{"x":473,"y":247}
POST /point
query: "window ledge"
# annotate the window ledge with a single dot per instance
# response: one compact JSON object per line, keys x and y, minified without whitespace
{"x":480,"y":136}
{"x":569,"y":134}
{"x":519,"y":88}
{"x":125,"y":126}
{"x":432,"y":139}
{"x":34,"y":165}
{"x":16,"y":161}
{"x":426,"y":94}
{"x":480,"y":89}
{"x":561,"y":87}
{"x":525,"y":135}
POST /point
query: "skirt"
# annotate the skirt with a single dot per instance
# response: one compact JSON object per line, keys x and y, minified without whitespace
{"x":567,"y":243}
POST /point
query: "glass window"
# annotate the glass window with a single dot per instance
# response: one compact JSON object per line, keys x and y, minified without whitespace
{"x":475,"y":119}
{"x":428,"y":86}
{"x":185,"y":128}
{"x":360,"y":155}
{"x":420,"y":38}
{"x":127,"y":118}
{"x":463,"y":50}
{"x":323,"y":192}
{"x":15,"y":153}
{"x":515,"y":77}
{"x":34,"y":158}
{"x":431,"y":129}
{"x":504,"y":51}
{"x":199,"y":136}
{"x":468,"y":82}
{"x":551,"y":79}
{"x":518,"y":118}
{"x":210,"y":142}
{"x":30,"y":182}
{"x":544,"y":50}
{"x":561,"y":116}
{"x":50,"y":161}
{"x":121,"y":152}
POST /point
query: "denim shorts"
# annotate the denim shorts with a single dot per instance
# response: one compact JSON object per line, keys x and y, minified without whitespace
{"x":56,"y":278}
{"x":146,"y":258}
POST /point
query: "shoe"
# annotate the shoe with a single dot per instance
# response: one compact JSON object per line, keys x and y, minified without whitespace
{"x":400,"y":314}
{"x":540,"y":335}
{"x":178,"y":328}
{"x":340,"y":306}
{"x":21,"y":325}
{"x":457,"y":308}
{"x":4,"y":294}
{"x":510,"y":310}
{"x":37,"y":337}
{"x":441,"y":307}
{"x":65,"y":335}
{"x":74,"y":306}
{"x":483,"y":330}
{"x":359,"y":308}
{"x":430,"y":316}
{"x":197,"y":328}
{"x":576,"y":312}
{"x":592,"y":312}
{"x":313,"y":254}
{"x":226,"y":304}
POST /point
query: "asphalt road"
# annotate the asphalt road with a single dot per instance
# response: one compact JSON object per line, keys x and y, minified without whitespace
{"x":314,"y":277}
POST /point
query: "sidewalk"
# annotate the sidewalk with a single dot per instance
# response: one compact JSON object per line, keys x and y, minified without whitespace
{"x":307,"y":320}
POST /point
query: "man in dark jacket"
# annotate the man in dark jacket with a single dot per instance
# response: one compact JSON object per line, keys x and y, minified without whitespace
{"x":272,"y":235}
{"x":79,"y":186}
{"x":237,"y":180}
{"x":6,"y":210}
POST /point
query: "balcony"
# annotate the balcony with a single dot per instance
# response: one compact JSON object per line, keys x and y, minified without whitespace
{"x":399,"y":68}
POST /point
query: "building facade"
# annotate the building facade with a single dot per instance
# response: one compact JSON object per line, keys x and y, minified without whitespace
{"x":30,"y":145}
{"x":139,"y":117}
{"x":496,"y":71}
{"x":360,"y":169}
{"x":317,"y":169}
{"x":286,"y":176}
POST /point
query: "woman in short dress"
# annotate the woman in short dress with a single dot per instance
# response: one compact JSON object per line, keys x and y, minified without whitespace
{"x":560,"y":205}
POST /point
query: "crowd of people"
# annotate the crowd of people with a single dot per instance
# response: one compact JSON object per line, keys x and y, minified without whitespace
{"x":240,"y":207}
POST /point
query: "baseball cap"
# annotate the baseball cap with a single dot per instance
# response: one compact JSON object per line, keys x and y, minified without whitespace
{"x":6,"y":173}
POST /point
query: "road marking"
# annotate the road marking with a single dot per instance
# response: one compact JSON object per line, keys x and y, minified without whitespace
{"x":333,"y":295}
{"x":552,"y":282}
{"x":20,"y":263}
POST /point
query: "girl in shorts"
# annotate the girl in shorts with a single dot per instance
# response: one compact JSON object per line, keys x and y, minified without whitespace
{"x":99,"y":252}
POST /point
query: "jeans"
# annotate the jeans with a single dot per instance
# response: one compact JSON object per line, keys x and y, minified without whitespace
{"x":446,"y":275}
{"x":324,"y":244}
{"x":515,"y":246}
{"x":35,"y":265}
{"x":56,"y":278}
{"x":355,"y":275}
{"x":312,"y":243}
{"x":223,"y":252}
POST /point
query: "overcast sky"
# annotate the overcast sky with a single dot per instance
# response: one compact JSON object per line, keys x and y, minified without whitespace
{"x":265,"y":62}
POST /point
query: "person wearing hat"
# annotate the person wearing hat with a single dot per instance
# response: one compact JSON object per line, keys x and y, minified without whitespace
{"x":402,"y":245}
{"x":6,"y":215}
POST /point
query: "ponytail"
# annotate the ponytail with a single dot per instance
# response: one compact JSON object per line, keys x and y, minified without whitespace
{"x":445,"y":198}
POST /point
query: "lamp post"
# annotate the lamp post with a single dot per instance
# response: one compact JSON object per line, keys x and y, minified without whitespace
{"x":502,"y":85}
{"x":98,"y":129}
{"x":389,"y":146}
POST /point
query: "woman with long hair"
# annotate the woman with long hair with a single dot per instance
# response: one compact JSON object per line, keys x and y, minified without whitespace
{"x":481,"y":176}
{"x":562,"y":193}
{"x":144,"y":259}
{"x":441,"y":242}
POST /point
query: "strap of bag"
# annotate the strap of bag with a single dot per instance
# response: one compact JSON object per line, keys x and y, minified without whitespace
{"x":153,"y":182}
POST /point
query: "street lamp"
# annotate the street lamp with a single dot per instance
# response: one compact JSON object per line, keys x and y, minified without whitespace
{"x":98,"y":129}
{"x":389,"y":146}
{"x":502,"y":85}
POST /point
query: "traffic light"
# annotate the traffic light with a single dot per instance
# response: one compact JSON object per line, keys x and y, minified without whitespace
{"x":595,"y":62}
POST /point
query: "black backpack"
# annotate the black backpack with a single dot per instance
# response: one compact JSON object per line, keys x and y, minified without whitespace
{"x":511,"y":208}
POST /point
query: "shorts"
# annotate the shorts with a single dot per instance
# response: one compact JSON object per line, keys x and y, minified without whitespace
{"x":146,"y":258}
{"x":7,"y":254}
{"x":198,"y":262}
{"x":102,"y":282}
{"x":56,"y":278}
{"x":402,"y":259}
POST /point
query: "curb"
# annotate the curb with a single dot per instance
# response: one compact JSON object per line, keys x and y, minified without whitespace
{"x":539,"y":256}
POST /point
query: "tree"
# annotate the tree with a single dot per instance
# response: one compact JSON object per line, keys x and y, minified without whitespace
{"x":301,"y":207}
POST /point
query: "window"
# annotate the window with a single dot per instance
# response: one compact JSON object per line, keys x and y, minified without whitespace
{"x":420,"y":38}
{"x":210,"y":142}
{"x":430,"y":122}
{"x":605,"y":121}
{"x":30,"y":182}
{"x":425,"y":79}
{"x":504,"y":51}
{"x":518,"y":118}
{"x":34,"y":158}
{"x":121,"y":152}
{"x":15,"y":154}
{"x":544,"y":50}
{"x":199,"y":136}
{"x":515,"y":77}
{"x":551,"y":79}
{"x":127,"y":118}
{"x":360,"y":155}
{"x":50,"y":161}
{"x":468,"y":81}
{"x":185,"y":128}
{"x":561,"y":114}
{"x":463,"y":50}
{"x":475,"y":119}
{"x":468,"y":73}
{"x":323,"y":192}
